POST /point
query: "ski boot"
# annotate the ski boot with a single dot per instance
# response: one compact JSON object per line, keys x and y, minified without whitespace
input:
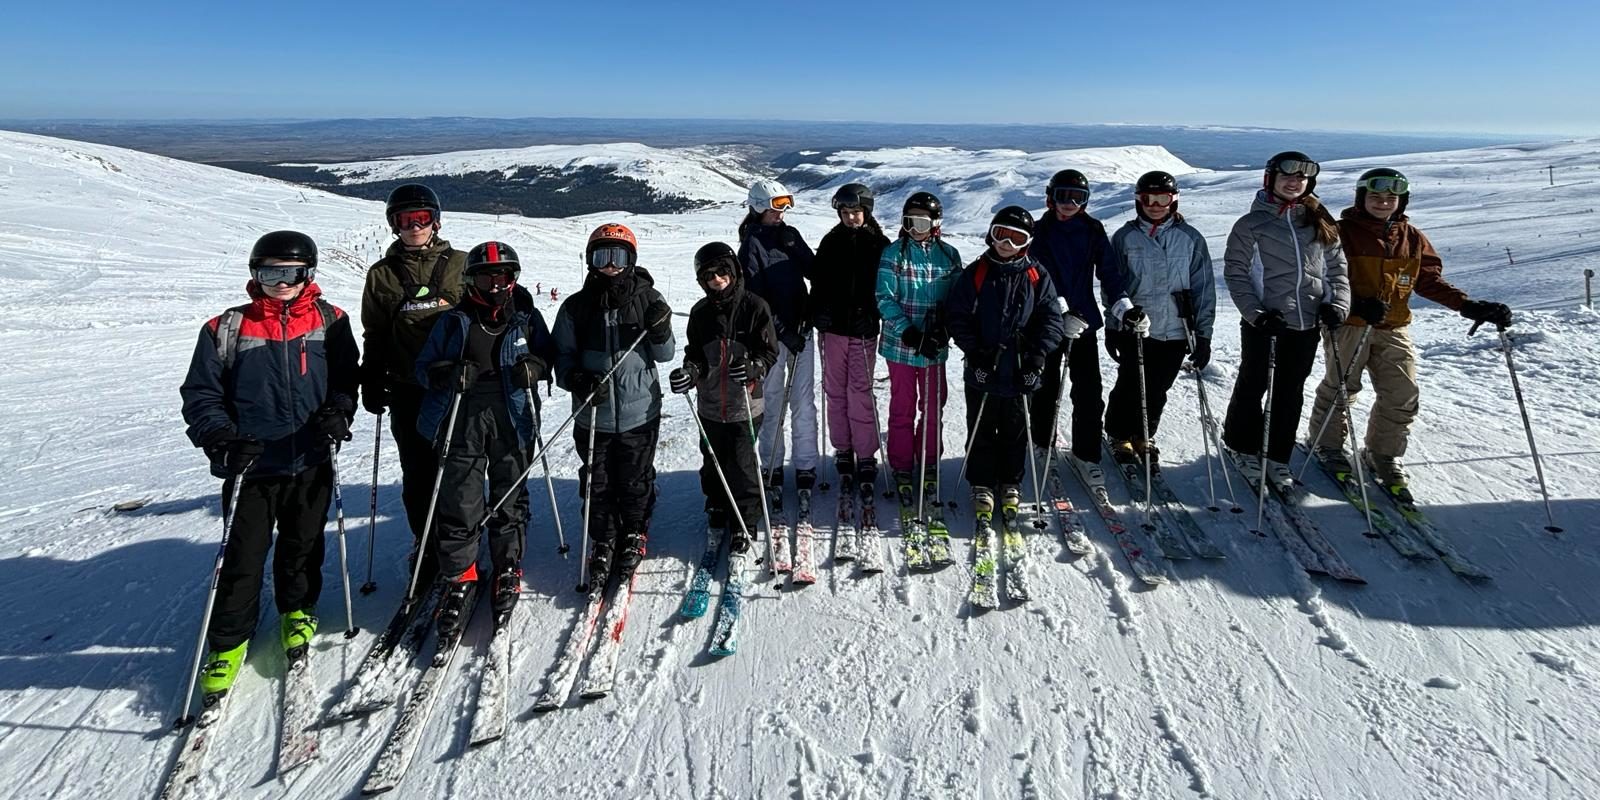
{"x":450,"y":617}
{"x":630,"y":553}
{"x":1123,"y":451}
{"x":867,"y":478}
{"x":1391,"y":474}
{"x":774,"y":479}
{"x":844,"y":463}
{"x":1147,"y":449}
{"x":220,"y":671}
{"x":982,"y":501}
{"x":507,"y":588}
{"x":295,"y":630}
{"x":1249,"y":466}
{"x":1088,"y":471}
{"x":599,"y":564}
{"x":1283,"y":482}
{"x":805,"y":480}
{"x":1335,"y":459}
{"x":1010,"y":503}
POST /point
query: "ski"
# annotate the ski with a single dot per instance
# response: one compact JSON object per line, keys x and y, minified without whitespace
{"x":779,"y":561}
{"x":558,"y":684}
{"x":298,"y":741}
{"x":938,"y":532}
{"x":844,"y":536}
{"x":1156,"y":524}
{"x":1073,"y":532}
{"x":602,"y":672}
{"x":489,"y":715}
{"x":913,"y":533}
{"x":185,"y":771}
{"x":985,"y":569}
{"x":698,"y":596}
{"x":375,"y":684}
{"x":1143,"y":568}
{"x":1344,"y":477}
{"x":401,"y":745}
{"x":1298,"y":532}
{"x":1015,"y":550}
{"x":1178,"y":512}
{"x":805,"y":563}
{"x":725,"y":638}
{"x":1424,"y":528}
{"x":870,"y":539}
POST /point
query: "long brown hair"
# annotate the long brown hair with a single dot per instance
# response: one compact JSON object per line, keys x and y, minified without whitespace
{"x":1327,"y":227}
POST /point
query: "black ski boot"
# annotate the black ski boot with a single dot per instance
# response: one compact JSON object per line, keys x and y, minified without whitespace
{"x":805,"y":480}
{"x":507,"y":588}
{"x":599,"y":565}
{"x":450,"y":617}
{"x":867,"y":478}
{"x":630,"y":553}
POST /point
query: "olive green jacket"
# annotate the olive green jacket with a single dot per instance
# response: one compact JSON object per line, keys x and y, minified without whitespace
{"x":402,"y":300}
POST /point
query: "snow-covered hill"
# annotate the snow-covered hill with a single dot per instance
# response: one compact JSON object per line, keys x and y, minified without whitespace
{"x":1243,"y":678}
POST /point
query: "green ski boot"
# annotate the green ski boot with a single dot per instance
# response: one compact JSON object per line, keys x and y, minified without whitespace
{"x":222,"y":669}
{"x":296,"y":629}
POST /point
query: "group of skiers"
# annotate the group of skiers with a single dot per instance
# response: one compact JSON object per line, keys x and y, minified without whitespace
{"x":455,"y":350}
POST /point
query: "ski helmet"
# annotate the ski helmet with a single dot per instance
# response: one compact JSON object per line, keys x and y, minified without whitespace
{"x":612,"y":234}
{"x":852,"y":195}
{"x":1292,"y":161}
{"x":765,"y":192}
{"x":409,"y":196}
{"x":1066,"y":179}
{"x":1011,"y":217}
{"x":1396,"y":185}
{"x":1156,"y":182}
{"x":716,"y":254}
{"x":492,"y":257}
{"x":284,"y":246}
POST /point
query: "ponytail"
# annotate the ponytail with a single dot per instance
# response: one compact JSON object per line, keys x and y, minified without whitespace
{"x":1317,"y":214}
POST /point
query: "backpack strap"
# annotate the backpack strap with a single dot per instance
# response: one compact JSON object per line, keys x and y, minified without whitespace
{"x":979,"y":273}
{"x":228,"y":335}
{"x":435,"y":278}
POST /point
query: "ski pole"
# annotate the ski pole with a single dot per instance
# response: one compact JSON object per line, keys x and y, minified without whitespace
{"x":922,"y":444}
{"x":1055,"y":416}
{"x":372,"y":513}
{"x":185,"y":718}
{"x":1033,"y":463}
{"x":1527,"y":427}
{"x":1350,"y":424}
{"x":588,"y":501}
{"x":1208,"y":432}
{"x":1344,"y":380}
{"x":822,"y":420}
{"x":433,"y":501}
{"x":1266,"y":432}
{"x":716,"y":465}
{"x":549,"y":484}
{"x":783,"y":410}
{"x":755,"y":445}
{"x":977,"y":423}
{"x":1144,"y":424}
{"x":350,"y":629}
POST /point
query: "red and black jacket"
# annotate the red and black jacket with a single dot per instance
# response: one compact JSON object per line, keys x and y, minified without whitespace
{"x":288,"y":362}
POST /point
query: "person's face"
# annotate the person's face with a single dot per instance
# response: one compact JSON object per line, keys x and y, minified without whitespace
{"x":1289,"y":187}
{"x":853,"y":217}
{"x":1153,"y":210}
{"x":916,"y":235}
{"x":771,"y":216}
{"x":282,"y":292}
{"x":416,"y":226}
{"x":1382,"y":204}
{"x":719,"y":281}
{"x":1005,"y":248}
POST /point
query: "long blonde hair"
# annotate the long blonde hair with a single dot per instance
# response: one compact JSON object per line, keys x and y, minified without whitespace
{"x":1319,"y":217}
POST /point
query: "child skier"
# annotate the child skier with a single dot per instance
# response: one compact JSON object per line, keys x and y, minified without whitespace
{"x":480,"y":365}
{"x":1160,"y":255}
{"x":1002,"y":313}
{"x":270,"y":392}
{"x":731,"y":346}
{"x":594,"y":330}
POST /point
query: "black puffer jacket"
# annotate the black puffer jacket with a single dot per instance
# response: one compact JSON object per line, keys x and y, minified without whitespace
{"x":735,"y":324}
{"x":844,"y":277}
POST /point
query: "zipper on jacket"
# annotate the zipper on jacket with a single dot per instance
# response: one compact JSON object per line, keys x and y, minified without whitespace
{"x":1299,"y":265}
{"x":288,"y":382}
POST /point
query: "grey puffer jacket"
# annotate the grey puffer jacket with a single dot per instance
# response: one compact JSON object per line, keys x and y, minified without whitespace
{"x":1274,"y":261}
{"x":1157,"y":261}
{"x":593,"y":330}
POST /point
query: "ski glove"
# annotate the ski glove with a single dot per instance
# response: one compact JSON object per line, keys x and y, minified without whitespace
{"x":739,"y":371}
{"x":1371,"y":309}
{"x":1270,"y":322}
{"x":374,"y":397}
{"x":582,"y":384}
{"x":793,"y":340}
{"x":682,"y":379}
{"x":1134,"y":320}
{"x":1061,"y":305}
{"x":528,"y":371}
{"x":983,"y":378}
{"x":662,"y":332}
{"x":822,"y":320}
{"x":1032,"y":373}
{"x":1202,"y":353}
{"x":456,"y":376}
{"x":242,"y":453}
{"x":1114,"y":346}
{"x":1331,"y":316}
{"x":1496,"y":314}
{"x":333,"y":424}
{"x":1072,"y":325}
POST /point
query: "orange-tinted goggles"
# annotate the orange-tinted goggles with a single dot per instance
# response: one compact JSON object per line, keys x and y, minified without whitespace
{"x":782,"y":202}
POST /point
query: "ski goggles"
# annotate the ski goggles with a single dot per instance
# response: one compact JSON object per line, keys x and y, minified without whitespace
{"x":1159,"y":200}
{"x":716,"y":269}
{"x":288,"y":276}
{"x":848,"y":200}
{"x":1295,"y":166}
{"x":1069,"y":196}
{"x":919,"y":224}
{"x":1017,"y":237}
{"x":610,"y":256}
{"x":493,"y":281}
{"x":414,"y":219}
{"x":1386,"y":184}
{"x":782,"y":202}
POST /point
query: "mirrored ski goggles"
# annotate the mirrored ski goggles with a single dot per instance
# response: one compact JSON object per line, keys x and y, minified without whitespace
{"x":917,"y":224}
{"x":1069,"y":196}
{"x":611,"y":256}
{"x":1161,"y":200}
{"x":1005,"y":233}
{"x":782,"y":202}
{"x":1294,"y":166}
{"x":493,"y":281}
{"x":288,"y":276}
{"x":414,"y":219}
{"x":847,"y":200}
{"x":1386,"y":184}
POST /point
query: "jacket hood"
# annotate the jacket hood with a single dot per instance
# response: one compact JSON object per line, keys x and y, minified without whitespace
{"x":429,"y":251}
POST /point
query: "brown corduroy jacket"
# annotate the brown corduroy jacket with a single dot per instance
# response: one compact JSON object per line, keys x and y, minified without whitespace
{"x":1391,"y":260}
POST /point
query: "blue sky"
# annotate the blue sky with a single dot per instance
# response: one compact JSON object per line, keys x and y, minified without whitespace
{"x":1431,"y":65}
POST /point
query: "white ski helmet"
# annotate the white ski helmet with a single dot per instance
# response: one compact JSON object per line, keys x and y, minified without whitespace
{"x":762,"y":193}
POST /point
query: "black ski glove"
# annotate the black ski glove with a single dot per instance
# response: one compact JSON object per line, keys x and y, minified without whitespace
{"x":1202,"y":353}
{"x":333,"y":424}
{"x":1032,"y":372}
{"x":583,"y":383}
{"x":1114,"y":346}
{"x":451,"y":375}
{"x":662,"y":330}
{"x":1270,"y":322}
{"x":242,"y":453}
{"x":1371,"y":309}
{"x":795,"y":341}
{"x":374,"y":396}
{"x":683,"y":379}
{"x":1330,"y":315}
{"x":739,"y":371}
{"x":528,"y":371}
{"x":911,"y":337}
{"x":823,"y":321}
{"x":1496,"y":314}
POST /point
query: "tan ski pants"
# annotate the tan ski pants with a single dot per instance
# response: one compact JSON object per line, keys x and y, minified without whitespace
{"x":1390,"y":361}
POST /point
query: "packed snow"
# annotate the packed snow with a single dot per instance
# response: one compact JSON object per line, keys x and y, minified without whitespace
{"x":1244,"y":678}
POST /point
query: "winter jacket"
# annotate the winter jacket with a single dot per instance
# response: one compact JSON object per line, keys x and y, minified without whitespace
{"x":448,"y":342}
{"x":1010,"y":319}
{"x":592,"y":329}
{"x":288,"y":362}
{"x":1274,"y":261}
{"x":776,"y":264}
{"x":737,"y":324}
{"x":1390,"y":260}
{"x":1157,"y":261}
{"x":844,"y":281}
{"x":1075,"y":252}
{"x":914,"y":278}
{"x":406,"y":292}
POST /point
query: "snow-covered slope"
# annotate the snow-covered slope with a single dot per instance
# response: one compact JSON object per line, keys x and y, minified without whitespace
{"x":1241,"y":679}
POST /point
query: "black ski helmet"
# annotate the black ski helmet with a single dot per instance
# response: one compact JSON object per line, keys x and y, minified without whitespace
{"x":1380,"y":172}
{"x":925,"y":201}
{"x":1013,"y":217}
{"x":851,"y":195}
{"x":492,"y":257}
{"x":1289,"y":155}
{"x":1067,"y":178}
{"x":409,"y":197}
{"x":284,"y":246}
{"x":715,"y":253}
{"x":1156,"y":182}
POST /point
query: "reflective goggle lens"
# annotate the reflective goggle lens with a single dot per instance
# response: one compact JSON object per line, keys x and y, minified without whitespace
{"x":610,"y":256}
{"x":1294,"y":166}
{"x":718,"y":270}
{"x":289,"y":276}
{"x":414,"y":219}
{"x":1161,"y":200}
{"x":491,"y":281}
{"x":1016,"y":236}
{"x":1386,"y":184}
{"x":847,"y":200}
{"x":782,"y":202}
{"x":1068,"y":195}
{"x":918,"y":224}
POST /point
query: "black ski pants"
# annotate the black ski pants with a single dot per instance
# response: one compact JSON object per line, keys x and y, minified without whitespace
{"x":1083,"y":373}
{"x":297,"y":506}
{"x":1296,"y":354}
{"x":1162,"y":360}
{"x":419,"y":465}
{"x":1000,"y":448}
{"x":736,"y":454}
{"x":485,"y":461}
{"x":619,"y":478}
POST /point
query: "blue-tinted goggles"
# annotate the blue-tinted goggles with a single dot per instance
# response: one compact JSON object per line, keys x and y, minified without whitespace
{"x":288,"y":276}
{"x":1069,"y":195}
{"x":1386,"y":184}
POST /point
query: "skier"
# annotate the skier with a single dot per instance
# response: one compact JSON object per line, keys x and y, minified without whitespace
{"x":845,"y":311}
{"x":1002,"y":313}
{"x":593,"y":331}
{"x":1072,"y":246}
{"x":270,"y":392}
{"x":479,"y":364}
{"x":915,"y":275}
{"x":1389,"y":258}
{"x":1159,"y":254}
{"x":777,"y":262}
{"x":1286,"y":273}
{"x":418,"y":279}
{"x":552,"y":294}
{"x":731,"y":346}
